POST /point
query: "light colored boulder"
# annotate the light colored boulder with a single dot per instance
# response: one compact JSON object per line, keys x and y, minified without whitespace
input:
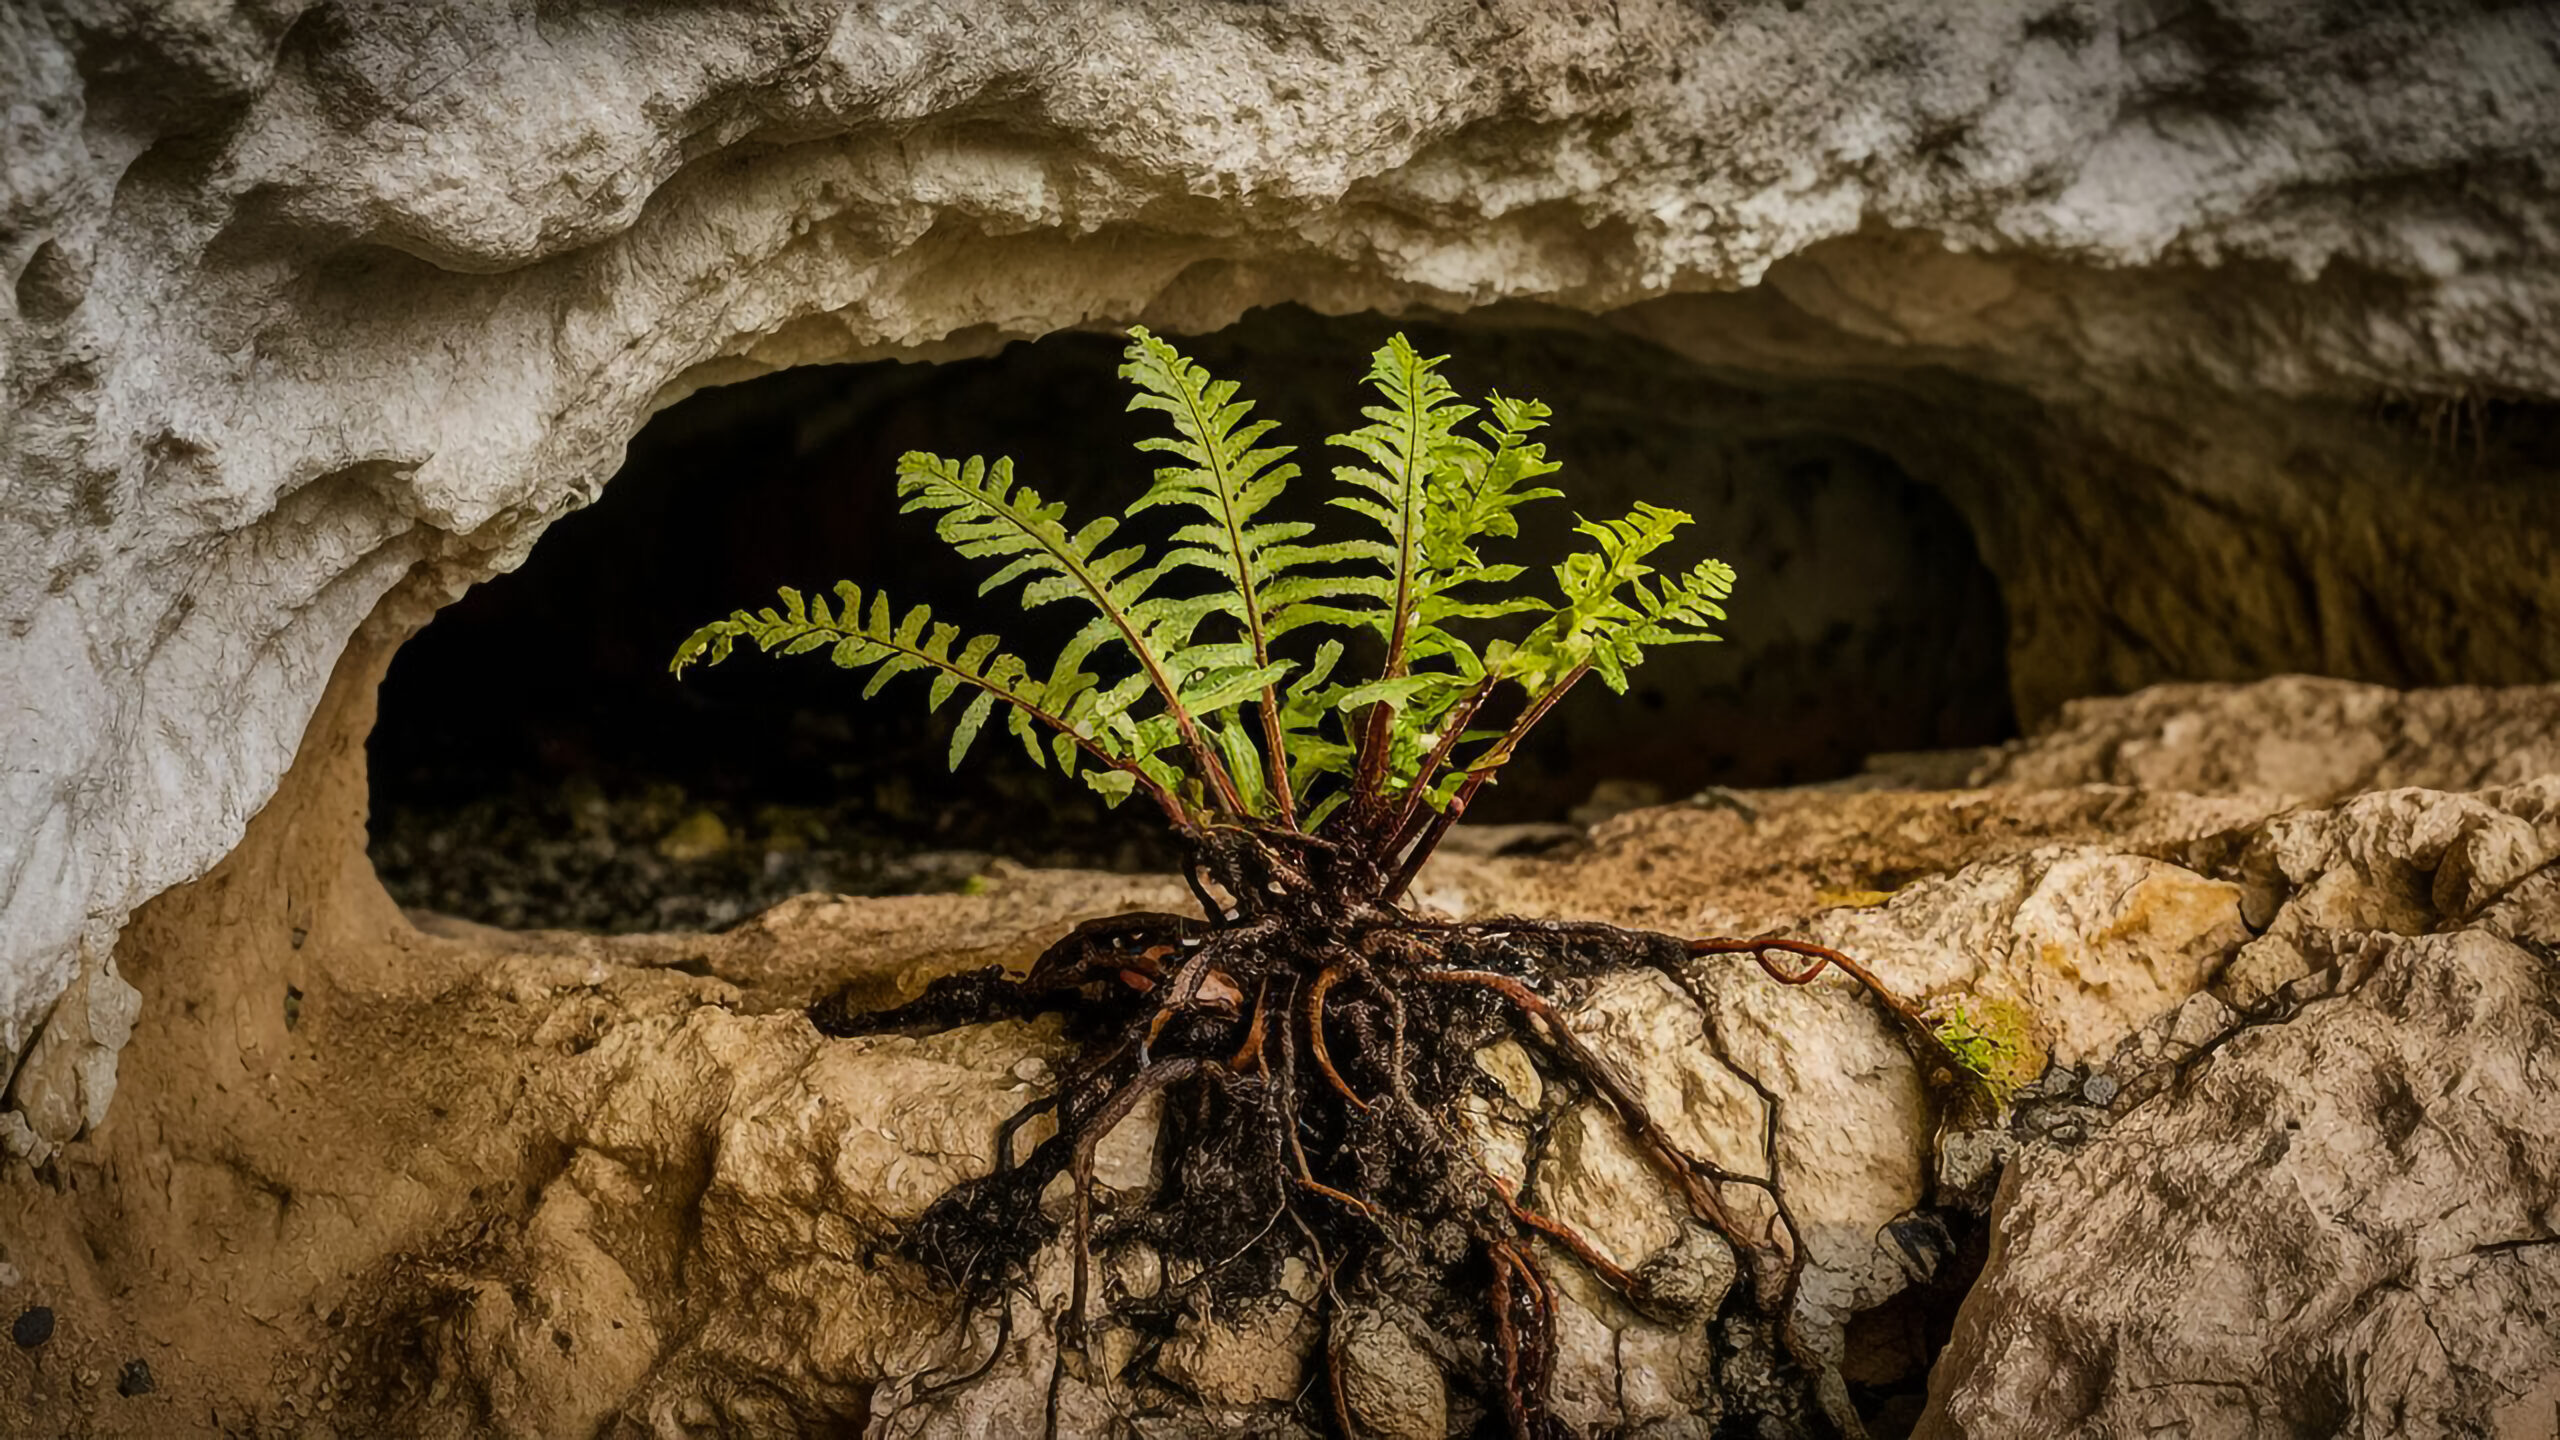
{"x":2346,"y":1218}
{"x":2344,"y":1223}
{"x":2316,"y":739}
{"x":2400,"y":861}
{"x":2093,"y":944}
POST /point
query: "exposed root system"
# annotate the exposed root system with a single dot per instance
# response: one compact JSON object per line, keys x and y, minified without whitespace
{"x":1313,"y":1052}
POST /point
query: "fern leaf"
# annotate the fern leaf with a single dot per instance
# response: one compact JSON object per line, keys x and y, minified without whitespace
{"x":1230,"y":479}
{"x":1409,"y":437}
{"x":983,"y":514}
{"x":889,"y":644}
{"x":1610,"y":612}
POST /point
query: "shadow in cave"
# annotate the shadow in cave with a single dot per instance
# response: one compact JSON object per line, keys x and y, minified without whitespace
{"x":535,"y":766}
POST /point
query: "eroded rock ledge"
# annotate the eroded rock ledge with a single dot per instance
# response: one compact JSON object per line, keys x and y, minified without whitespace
{"x":379,"y":1172}
{"x":2227,"y":326}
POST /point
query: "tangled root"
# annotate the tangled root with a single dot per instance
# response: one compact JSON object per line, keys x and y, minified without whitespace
{"x":1313,"y":1050}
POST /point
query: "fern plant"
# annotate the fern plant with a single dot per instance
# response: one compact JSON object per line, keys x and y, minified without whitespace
{"x":1320,"y":1035}
{"x":1191,"y":694}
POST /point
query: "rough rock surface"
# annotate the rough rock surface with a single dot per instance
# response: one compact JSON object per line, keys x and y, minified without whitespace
{"x":431,"y":1178}
{"x":2342,"y":1219}
{"x":2297,"y":735}
{"x":314,"y":305}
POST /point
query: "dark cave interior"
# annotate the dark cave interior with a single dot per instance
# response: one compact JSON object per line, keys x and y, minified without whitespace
{"x":535,"y":766}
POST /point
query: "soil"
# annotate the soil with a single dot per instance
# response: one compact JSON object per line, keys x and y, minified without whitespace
{"x":654,"y":856}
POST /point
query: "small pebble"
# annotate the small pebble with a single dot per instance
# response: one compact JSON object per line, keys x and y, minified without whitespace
{"x":134,"y":1379}
{"x":2068,"y":1133}
{"x":2098,"y":1090}
{"x":33,"y":1327}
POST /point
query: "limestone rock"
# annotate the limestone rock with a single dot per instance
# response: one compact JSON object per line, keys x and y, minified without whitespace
{"x":2315,"y":739}
{"x":2340,"y":1217}
{"x":1391,"y":1385}
{"x":1256,"y":1359}
{"x":69,"y":1075}
{"x":2093,"y":944}
{"x":2300,"y":1236}
{"x":2401,"y":861}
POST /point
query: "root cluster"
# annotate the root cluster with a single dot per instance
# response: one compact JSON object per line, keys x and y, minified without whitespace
{"x":1313,"y":1051}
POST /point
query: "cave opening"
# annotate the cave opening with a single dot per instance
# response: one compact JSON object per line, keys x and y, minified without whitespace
{"x":534,"y":766}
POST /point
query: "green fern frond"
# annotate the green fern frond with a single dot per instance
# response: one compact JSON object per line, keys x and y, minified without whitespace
{"x":1080,"y":718}
{"x":1609,"y":613}
{"x":1223,"y":475}
{"x":1439,"y":494}
{"x":1474,"y":493}
{"x":1408,"y":439}
{"x":984,"y":515}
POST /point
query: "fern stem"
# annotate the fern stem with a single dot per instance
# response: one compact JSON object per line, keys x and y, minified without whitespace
{"x":1455,"y":725}
{"x":1478,"y":776}
{"x":1278,"y":749}
{"x":1381,"y":716}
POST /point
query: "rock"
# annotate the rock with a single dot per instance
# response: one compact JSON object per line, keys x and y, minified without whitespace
{"x":2300,"y":1229}
{"x":1257,"y":1358}
{"x":308,"y":332}
{"x":69,"y":1075}
{"x":33,"y":1327}
{"x":1391,"y":1385}
{"x":1500,"y":1127}
{"x":2402,"y":861}
{"x":19,"y":1140}
{"x":2092,"y":944}
{"x":699,"y":836}
{"x":1853,"y":1134}
{"x":2342,"y":1214}
{"x":1689,"y":1278}
{"x":1969,"y":1164}
{"x":2315,"y":739}
{"x":135,"y":1379}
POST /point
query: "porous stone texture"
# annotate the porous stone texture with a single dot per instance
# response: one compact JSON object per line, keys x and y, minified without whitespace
{"x":2298,"y":735}
{"x":2245,"y":307}
{"x":2341,"y":1220}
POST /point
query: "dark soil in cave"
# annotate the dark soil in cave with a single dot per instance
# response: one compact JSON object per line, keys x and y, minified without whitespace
{"x":650,"y":854}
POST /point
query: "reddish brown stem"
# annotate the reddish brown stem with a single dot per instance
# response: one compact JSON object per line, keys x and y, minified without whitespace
{"x":1351,"y":1202}
{"x":1824,"y":958}
{"x":1506,"y":1341}
{"x":1105,"y":1120}
{"x":1417,"y":798}
{"x":1566,"y":1236}
{"x":1250,"y":1052}
{"x":1478,"y":776}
